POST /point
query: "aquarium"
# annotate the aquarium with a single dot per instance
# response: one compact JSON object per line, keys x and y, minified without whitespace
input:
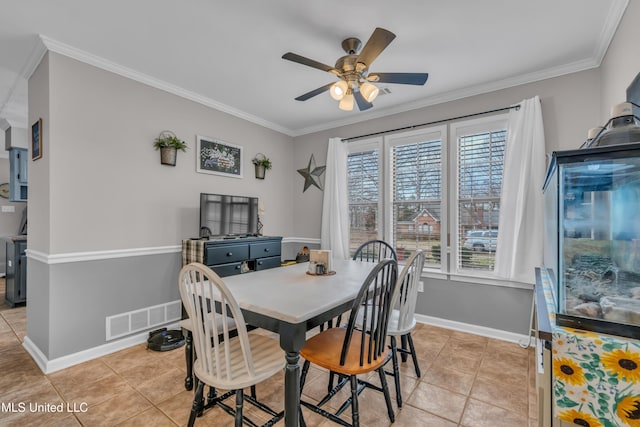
{"x":592,"y":242}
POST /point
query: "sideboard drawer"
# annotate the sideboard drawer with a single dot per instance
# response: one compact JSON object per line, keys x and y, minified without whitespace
{"x":264,"y":249}
{"x":264,"y":263}
{"x":224,"y":270}
{"x":225,"y":254}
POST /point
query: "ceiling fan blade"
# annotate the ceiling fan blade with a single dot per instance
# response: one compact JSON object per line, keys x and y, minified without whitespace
{"x":363,"y":104}
{"x":400,"y":78}
{"x":315,"y":92}
{"x":378,"y":42}
{"x":309,"y":62}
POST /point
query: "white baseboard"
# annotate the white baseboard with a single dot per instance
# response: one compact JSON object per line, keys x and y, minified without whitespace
{"x":48,"y":366}
{"x":499,"y":334}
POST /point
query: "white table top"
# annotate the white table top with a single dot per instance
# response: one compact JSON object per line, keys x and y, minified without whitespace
{"x":290,"y":294}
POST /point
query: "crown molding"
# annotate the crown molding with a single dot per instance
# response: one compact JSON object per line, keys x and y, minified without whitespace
{"x":613,"y":18}
{"x":37,"y":53}
{"x":10,"y":123}
{"x":107,"y":65}
{"x":35,"y":56}
{"x":616,"y":11}
{"x":467,"y":92}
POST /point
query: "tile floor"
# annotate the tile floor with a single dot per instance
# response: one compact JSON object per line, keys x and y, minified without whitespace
{"x":467,"y":381}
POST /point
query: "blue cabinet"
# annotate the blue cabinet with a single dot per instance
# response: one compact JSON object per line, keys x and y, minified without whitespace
{"x":234,"y":256}
{"x":18,"y":174}
{"x":16,"y":277}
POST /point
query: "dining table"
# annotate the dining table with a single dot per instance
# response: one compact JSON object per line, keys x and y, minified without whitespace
{"x":290,"y":301}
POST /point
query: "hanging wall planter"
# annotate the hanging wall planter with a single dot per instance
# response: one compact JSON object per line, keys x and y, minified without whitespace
{"x":168,"y":155}
{"x":169,"y":144}
{"x":261,"y":163}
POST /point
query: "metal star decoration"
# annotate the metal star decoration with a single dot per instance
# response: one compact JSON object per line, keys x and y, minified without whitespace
{"x":312,"y":174}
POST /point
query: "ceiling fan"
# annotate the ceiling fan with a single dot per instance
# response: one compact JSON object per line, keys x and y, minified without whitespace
{"x":353,"y":72}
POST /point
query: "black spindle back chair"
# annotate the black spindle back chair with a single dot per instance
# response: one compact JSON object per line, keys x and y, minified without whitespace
{"x":352,"y":351}
{"x":374,"y":251}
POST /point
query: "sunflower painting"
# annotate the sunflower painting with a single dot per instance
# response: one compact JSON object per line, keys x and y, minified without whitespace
{"x":623,"y":363}
{"x":579,"y":418}
{"x":628,"y":410}
{"x":596,"y":379}
{"x":568,"y":371}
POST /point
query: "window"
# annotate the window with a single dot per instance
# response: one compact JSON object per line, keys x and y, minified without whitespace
{"x":479,"y":159}
{"x":416,"y":194}
{"x":480,"y":163}
{"x":437,"y":189}
{"x":363,"y":184}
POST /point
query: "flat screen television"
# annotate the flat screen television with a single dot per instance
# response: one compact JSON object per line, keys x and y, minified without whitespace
{"x":224,"y":216}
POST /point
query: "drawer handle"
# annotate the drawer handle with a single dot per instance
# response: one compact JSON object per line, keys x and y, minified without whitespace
{"x":229,"y":253}
{"x":266,"y":249}
{"x":237,"y":267}
{"x":259,"y":262}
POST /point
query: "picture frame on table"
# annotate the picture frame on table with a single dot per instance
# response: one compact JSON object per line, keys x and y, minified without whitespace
{"x":36,"y":140}
{"x":217,"y":157}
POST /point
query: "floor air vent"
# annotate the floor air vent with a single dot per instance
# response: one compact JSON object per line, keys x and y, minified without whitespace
{"x":123,"y":324}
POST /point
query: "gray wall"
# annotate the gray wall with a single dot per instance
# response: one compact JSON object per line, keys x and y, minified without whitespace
{"x":570,"y":106}
{"x":102,"y":163}
{"x":100,"y":192}
{"x":621,"y":64}
{"x":82,"y":294}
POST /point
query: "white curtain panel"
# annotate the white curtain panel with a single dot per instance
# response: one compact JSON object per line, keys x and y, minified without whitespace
{"x":335,"y":206}
{"x":520,"y":237}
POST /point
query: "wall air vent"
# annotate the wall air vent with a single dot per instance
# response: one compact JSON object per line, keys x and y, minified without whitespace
{"x":123,"y":324}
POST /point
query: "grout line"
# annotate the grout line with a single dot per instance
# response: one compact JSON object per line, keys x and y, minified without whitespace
{"x":486,"y":356}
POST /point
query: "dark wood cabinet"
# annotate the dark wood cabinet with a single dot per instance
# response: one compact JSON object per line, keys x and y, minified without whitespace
{"x":235,"y":256}
{"x":16,"y":276}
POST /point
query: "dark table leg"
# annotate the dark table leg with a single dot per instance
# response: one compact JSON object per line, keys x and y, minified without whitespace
{"x":188,"y":354}
{"x":292,"y":338}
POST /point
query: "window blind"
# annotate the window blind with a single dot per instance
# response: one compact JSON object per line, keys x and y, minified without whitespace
{"x":363,"y":184}
{"x":480,"y":163}
{"x":417,"y":198}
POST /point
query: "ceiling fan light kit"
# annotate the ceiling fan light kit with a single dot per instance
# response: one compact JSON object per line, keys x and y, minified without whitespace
{"x":354,"y":86}
{"x":369,"y":91}
{"x":338,"y":90}
{"x":346,"y":103}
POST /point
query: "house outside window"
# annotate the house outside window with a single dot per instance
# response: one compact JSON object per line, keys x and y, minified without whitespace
{"x":437,"y":189}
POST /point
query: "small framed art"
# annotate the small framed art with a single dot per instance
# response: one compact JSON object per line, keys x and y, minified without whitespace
{"x":218,"y":157}
{"x":36,"y":140}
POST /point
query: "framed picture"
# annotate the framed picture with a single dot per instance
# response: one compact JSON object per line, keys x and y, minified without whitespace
{"x":36,"y":140}
{"x":218,"y":157}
